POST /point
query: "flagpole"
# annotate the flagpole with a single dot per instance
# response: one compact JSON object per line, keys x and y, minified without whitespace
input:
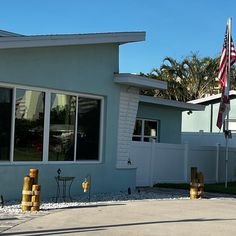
{"x":226,"y":159}
{"x":227,"y":117}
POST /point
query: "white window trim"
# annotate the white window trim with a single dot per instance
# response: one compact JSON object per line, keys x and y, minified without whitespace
{"x":13,"y":125}
{"x":76,"y":128}
{"x":48,"y":93}
{"x":46,"y":129}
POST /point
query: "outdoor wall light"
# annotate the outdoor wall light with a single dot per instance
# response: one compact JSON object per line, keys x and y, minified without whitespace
{"x":189,"y":112}
{"x":59,"y":172}
{"x":85,"y":185}
{"x":129,"y":162}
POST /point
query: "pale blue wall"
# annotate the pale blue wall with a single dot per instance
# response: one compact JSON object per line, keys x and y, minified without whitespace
{"x":201,"y":120}
{"x":197,"y":120}
{"x":170,"y":120}
{"x":87,"y":68}
{"x":84,"y":69}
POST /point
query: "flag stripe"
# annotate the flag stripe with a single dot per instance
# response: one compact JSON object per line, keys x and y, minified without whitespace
{"x":224,"y":107}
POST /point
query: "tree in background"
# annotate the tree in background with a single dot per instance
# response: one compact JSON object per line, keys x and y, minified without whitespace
{"x":189,"y":79}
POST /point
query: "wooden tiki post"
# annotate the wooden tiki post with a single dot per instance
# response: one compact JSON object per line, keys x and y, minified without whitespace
{"x":193,"y":174}
{"x":27,"y":193}
{"x":200,"y":185}
{"x":33,"y":173}
{"x":35,"y":197}
{"x":193,"y":185}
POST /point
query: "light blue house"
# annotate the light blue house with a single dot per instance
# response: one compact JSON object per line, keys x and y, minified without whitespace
{"x":199,"y":127}
{"x":206,"y":120}
{"x":64,"y":105}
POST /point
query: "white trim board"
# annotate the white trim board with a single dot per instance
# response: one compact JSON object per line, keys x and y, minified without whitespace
{"x":139,"y":81}
{"x":4,"y":33}
{"x":70,"y":39}
{"x":171,"y":103}
{"x":211,"y":97}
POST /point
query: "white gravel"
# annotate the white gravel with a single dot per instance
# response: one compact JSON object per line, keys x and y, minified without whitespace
{"x":14,"y":207}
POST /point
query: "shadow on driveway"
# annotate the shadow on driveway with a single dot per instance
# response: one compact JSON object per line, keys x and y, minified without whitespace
{"x":104,"y":227}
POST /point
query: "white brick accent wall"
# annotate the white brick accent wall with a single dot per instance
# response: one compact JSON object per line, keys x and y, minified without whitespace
{"x":128,"y":108}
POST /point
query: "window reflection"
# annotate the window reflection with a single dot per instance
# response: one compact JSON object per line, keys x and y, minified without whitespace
{"x":28,"y":125}
{"x":138,"y":127}
{"x":29,"y":121}
{"x":150,"y":128}
{"x":62,"y":126}
{"x":146,"y":130}
{"x":5,"y":123}
{"x":88,"y":129}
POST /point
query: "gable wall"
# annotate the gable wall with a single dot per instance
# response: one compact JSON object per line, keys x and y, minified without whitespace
{"x":170,"y":121}
{"x":84,"y":68}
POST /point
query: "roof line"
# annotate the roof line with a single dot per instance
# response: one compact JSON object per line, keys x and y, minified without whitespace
{"x":171,"y":103}
{"x":210,"y":98}
{"x":139,"y":81}
{"x":71,"y":39}
{"x":4,"y":33}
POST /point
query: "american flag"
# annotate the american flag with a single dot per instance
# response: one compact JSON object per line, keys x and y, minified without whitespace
{"x":223,"y":77}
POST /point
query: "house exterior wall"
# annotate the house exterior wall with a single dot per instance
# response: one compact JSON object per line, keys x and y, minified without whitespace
{"x":86,"y":69}
{"x":205,"y":120}
{"x":170,"y":120}
{"x":197,"y":120}
{"x":83,"y":68}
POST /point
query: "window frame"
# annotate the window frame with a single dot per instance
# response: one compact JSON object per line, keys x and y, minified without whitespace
{"x":142,"y":136}
{"x":47,"y":104}
{"x":6,"y":86}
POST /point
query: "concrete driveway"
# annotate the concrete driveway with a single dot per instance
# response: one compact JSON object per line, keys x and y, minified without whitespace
{"x":146,"y":217}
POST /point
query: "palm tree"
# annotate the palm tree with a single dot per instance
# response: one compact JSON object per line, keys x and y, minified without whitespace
{"x":189,"y":79}
{"x":200,"y":76}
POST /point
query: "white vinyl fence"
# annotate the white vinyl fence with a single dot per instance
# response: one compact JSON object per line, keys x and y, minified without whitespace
{"x":207,"y":139}
{"x":171,"y":163}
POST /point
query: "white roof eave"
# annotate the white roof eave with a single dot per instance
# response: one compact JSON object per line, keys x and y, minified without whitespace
{"x":139,"y":81}
{"x":171,"y":103}
{"x":70,"y":39}
{"x":211,"y":98}
{"x":4,"y":33}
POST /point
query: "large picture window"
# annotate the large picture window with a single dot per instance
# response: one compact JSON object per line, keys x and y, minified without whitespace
{"x":29,"y":125}
{"x":62,"y":127}
{"x":41,"y":125}
{"x":146,"y":130}
{"x":88,"y":129}
{"x":5,"y":123}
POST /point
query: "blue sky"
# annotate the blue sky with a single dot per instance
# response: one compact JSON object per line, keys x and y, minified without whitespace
{"x":174,"y":28}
